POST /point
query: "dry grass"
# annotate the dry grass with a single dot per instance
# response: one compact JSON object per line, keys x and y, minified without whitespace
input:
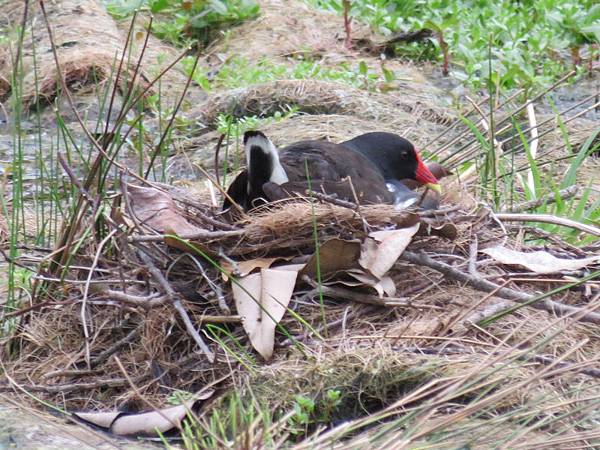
{"x":313,"y":97}
{"x":277,"y":34}
{"x":308,"y":33}
{"x":409,"y":376}
{"x":89,"y":45}
{"x":375,"y":356}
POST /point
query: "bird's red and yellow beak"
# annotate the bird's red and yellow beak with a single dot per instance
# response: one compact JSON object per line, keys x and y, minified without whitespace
{"x":423,"y":175}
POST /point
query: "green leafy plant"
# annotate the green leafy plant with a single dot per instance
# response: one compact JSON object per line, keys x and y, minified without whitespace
{"x":188,"y":21}
{"x":235,"y":128}
{"x":534,"y":41}
{"x":304,"y":408}
{"x":238,"y":72}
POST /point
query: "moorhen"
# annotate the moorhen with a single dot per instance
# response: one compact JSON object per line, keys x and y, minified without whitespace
{"x":356,"y":170}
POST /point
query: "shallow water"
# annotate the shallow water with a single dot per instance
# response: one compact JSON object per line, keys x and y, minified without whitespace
{"x":48,"y":140}
{"x":571,"y":94}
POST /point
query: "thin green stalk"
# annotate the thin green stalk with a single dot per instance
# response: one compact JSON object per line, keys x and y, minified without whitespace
{"x":315,"y":233}
{"x":491,"y":154}
{"x":159,"y":147}
{"x":39,"y":200}
{"x":247,"y":361}
{"x":487,"y":322}
{"x":17,"y":218}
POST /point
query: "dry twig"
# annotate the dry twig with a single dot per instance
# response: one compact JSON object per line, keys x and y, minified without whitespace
{"x":548,"y":218}
{"x":563,"y":194}
{"x":487,"y":286}
{"x":174,"y":298}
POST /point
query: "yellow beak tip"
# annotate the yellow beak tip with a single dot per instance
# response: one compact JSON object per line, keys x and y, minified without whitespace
{"x":434,"y":187}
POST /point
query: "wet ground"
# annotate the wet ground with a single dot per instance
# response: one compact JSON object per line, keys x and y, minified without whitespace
{"x":26,"y":429}
{"x":22,"y":428}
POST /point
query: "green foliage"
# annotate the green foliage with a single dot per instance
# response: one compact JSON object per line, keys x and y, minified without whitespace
{"x":180,"y":21}
{"x":309,"y":412}
{"x":542,"y":183}
{"x":235,"y":128}
{"x":239,"y":72}
{"x":304,"y":408}
{"x":230,"y":425}
{"x":531,"y":39}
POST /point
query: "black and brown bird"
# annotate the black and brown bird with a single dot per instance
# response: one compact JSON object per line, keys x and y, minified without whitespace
{"x":349,"y":170}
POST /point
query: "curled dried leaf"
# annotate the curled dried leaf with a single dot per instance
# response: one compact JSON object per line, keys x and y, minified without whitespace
{"x":383,"y":248}
{"x":334,"y":255}
{"x":150,"y":423}
{"x":157,"y":210}
{"x":262,"y":299}
{"x":539,"y":262}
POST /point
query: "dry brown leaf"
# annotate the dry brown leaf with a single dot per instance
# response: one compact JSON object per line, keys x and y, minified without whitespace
{"x":385,"y":285}
{"x":150,"y":423}
{"x":262,"y":299}
{"x":142,"y":424}
{"x":246,"y":267}
{"x":383,"y":248}
{"x":334,"y":255}
{"x":157,"y":210}
{"x":291,"y":267}
{"x":447,"y":230}
{"x":538,"y":262}
{"x":100,"y":419}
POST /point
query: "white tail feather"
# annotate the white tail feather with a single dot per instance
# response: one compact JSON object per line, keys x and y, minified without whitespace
{"x":278,"y":175}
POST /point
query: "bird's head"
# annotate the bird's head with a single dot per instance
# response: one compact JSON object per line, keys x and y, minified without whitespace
{"x":396,"y":157}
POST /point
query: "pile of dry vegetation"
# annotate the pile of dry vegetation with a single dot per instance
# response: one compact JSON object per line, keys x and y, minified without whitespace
{"x":167,"y":295}
{"x":417,"y":320}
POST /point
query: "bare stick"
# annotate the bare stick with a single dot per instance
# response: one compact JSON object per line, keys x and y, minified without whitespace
{"x":533,"y":146}
{"x":487,"y":286}
{"x":145,"y":301}
{"x":549,"y":218}
{"x":331,"y":199}
{"x":107,"y":353}
{"x":214,"y":286}
{"x":102,"y":357}
{"x":206,"y":235}
{"x":74,"y":179}
{"x":205,"y":217}
{"x":86,"y":291}
{"x":473,"y":257}
{"x":569,"y":192}
{"x":347,"y":294}
{"x":487,"y":312}
{"x":174,"y":298}
{"x":216,"y":162}
{"x":70,"y":387}
{"x":595,"y":373}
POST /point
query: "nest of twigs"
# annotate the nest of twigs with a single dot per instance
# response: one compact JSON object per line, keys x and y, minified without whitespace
{"x":118,"y":329}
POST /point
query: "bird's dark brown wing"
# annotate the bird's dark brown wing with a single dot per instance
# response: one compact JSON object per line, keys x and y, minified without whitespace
{"x":332,"y":168}
{"x":338,"y":189}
